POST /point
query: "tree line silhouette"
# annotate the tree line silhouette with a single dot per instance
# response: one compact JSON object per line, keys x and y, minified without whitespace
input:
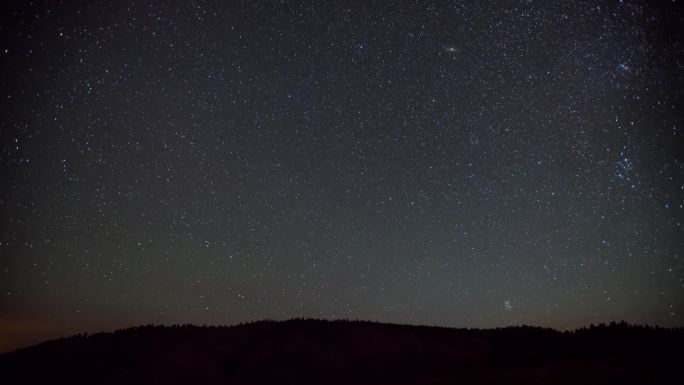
{"x":307,"y":351}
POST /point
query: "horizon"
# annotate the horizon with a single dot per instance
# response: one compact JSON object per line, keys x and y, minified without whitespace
{"x":14,"y":347}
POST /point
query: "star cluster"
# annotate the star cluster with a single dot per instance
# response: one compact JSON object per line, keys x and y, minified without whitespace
{"x":454,"y":163}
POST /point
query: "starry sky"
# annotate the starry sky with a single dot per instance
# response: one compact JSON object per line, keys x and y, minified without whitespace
{"x":470,"y":164}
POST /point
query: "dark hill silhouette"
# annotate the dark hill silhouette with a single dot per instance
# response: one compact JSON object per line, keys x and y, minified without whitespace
{"x":353,"y":352}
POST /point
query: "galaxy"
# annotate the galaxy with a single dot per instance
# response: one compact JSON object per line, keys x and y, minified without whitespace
{"x":465,"y":164}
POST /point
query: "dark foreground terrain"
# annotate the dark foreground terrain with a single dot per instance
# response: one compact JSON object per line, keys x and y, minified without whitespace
{"x":345,"y":352}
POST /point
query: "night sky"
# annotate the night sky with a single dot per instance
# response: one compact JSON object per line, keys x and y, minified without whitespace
{"x":465,"y":164}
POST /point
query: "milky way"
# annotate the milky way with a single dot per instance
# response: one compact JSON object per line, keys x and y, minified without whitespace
{"x":464,"y":164}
